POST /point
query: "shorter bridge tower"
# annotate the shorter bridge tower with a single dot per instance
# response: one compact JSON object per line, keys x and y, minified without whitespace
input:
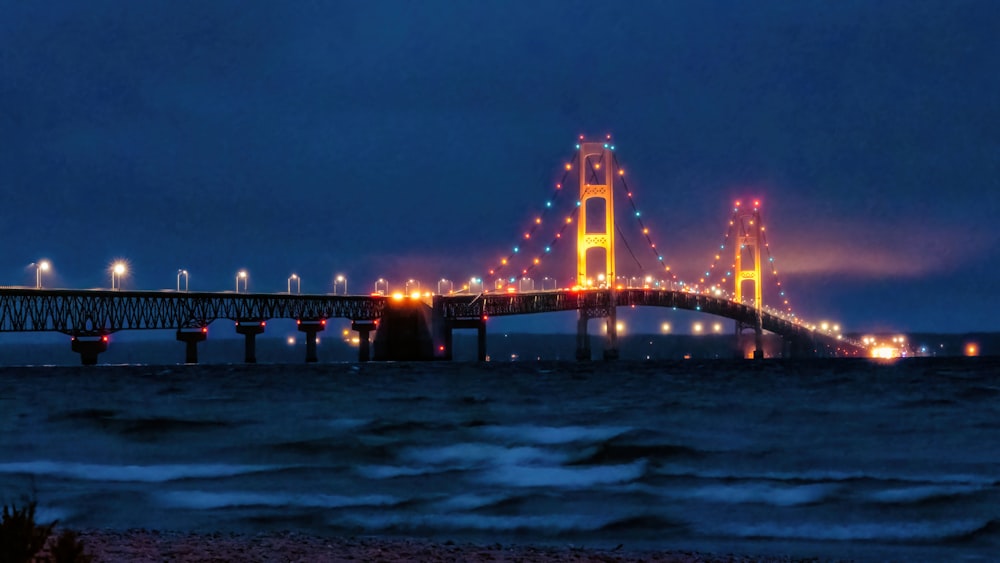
{"x":749,"y":245}
{"x":596,"y":183}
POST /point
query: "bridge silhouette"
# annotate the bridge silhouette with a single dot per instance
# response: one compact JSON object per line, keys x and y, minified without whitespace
{"x":420,"y":326}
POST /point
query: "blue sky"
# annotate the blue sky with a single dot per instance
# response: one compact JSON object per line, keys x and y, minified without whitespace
{"x":418,"y":140}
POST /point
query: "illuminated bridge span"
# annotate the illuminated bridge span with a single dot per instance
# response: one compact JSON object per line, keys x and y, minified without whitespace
{"x":472,"y":311}
{"x":89,"y":316}
{"x":420,"y":326}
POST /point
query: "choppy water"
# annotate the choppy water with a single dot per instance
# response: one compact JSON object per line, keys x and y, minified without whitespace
{"x":839,"y":458}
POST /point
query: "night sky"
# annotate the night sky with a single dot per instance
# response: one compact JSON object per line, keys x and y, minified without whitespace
{"x":420,"y":139}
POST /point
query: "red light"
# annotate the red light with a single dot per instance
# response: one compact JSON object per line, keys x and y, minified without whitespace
{"x":298,"y":322}
{"x":485,"y":317}
{"x":323,"y":322}
{"x":104,"y":338}
{"x":756,"y":204}
{"x":263,"y":323}
{"x":441,"y":348}
{"x":204,"y":329}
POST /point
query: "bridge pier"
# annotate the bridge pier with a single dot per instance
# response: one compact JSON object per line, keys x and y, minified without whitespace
{"x":89,"y":347}
{"x":310,"y":327}
{"x":758,"y":350}
{"x":191,"y":337}
{"x":610,"y":351}
{"x":364,"y":330}
{"x":250,"y":330}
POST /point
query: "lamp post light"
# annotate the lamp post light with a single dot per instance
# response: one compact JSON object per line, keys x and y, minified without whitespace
{"x":117,"y":271}
{"x":184,"y":274}
{"x":381,"y":286}
{"x":242,"y":275}
{"x":298,"y":284}
{"x":40,"y":266}
{"x":340,"y":282}
{"x":445,"y":287}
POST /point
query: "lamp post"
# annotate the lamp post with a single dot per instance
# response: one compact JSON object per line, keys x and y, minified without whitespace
{"x":445,"y":287}
{"x":242,"y":275}
{"x":117,"y":271}
{"x":183,"y":273}
{"x":382,"y":286}
{"x":40,"y":266}
{"x":339,"y":281}
{"x":298,"y":284}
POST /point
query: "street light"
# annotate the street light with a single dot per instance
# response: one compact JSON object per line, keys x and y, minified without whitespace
{"x":298,"y":284}
{"x":242,"y":275}
{"x":117,"y":271}
{"x":381,"y":286}
{"x":40,"y":266}
{"x":179,"y":274}
{"x":338,"y":281}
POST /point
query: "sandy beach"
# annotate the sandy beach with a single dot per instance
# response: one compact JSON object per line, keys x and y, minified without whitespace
{"x":143,"y":546}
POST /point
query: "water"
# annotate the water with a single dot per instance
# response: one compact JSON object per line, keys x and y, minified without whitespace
{"x":835,"y":458}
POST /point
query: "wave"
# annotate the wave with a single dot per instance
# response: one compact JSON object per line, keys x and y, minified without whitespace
{"x":553,"y":435}
{"x":564,"y":477}
{"x":458,"y":457}
{"x":923,"y":494}
{"x":549,"y":523}
{"x":131,"y":473}
{"x":205,"y":500}
{"x":825,"y":475}
{"x":902,"y":532}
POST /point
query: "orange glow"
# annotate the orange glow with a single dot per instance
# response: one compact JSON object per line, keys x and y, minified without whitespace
{"x":398,"y":296}
{"x":972,"y":349}
{"x":538,"y":220}
{"x":569,"y":166}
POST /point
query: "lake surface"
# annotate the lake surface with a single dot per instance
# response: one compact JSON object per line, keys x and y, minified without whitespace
{"x":828,"y":458}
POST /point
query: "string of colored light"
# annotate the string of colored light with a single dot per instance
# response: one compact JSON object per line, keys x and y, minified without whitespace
{"x":774,"y":272}
{"x":722,"y":248}
{"x":638,"y":216}
{"x":539,"y":219}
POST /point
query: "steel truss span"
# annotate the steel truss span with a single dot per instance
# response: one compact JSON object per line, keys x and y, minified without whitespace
{"x":597,"y":303}
{"x":81,"y":312}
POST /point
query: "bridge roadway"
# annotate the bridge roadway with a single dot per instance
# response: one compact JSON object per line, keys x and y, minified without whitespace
{"x":597,"y":303}
{"x":88,"y":316}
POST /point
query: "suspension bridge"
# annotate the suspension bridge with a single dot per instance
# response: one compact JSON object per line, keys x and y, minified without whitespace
{"x":419,"y":326}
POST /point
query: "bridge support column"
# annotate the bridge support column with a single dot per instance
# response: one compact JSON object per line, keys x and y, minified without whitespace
{"x":479,"y":325}
{"x":758,"y":350}
{"x":310,"y":327}
{"x":611,"y":343}
{"x":364,"y":329}
{"x":191,"y":337}
{"x":89,"y":347}
{"x":582,"y":338}
{"x":250,"y":330}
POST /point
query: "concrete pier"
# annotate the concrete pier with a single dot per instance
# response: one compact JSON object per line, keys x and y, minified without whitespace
{"x":89,"y":347}
{"x":250,"y":329}
{"x":191,"y":337}
{"x":364,"y":330}
{"x":311,"y":327}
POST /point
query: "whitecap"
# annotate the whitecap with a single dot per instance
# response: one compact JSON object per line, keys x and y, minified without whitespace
{"x":564,"y":477}
{"x":205,"y":500}
{"x":551,"y":435}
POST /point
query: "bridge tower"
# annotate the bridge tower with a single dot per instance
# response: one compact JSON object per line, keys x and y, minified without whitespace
{"x":596,"y":183}
{"x":749,"y":245}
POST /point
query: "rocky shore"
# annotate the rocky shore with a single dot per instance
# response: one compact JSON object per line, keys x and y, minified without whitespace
{"x":147,"y":546}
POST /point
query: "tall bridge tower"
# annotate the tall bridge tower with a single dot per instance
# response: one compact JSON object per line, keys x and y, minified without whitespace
{"x":596,"y":185}
{"x":749,"y":245}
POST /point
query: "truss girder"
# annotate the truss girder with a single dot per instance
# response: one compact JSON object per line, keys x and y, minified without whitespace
{"x":96,"y":311}
{"x":597,"y":303}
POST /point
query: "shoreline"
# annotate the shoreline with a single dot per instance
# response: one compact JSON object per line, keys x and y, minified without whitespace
{"x":141,"y":545}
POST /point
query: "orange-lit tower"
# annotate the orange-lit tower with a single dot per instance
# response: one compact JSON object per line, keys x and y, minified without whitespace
{"x":595,"y":166}
{"x":596,"y":185}
{"x":749,"y":245}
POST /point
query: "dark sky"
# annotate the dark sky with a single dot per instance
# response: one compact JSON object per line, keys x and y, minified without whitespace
{"x":419,"y":139}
